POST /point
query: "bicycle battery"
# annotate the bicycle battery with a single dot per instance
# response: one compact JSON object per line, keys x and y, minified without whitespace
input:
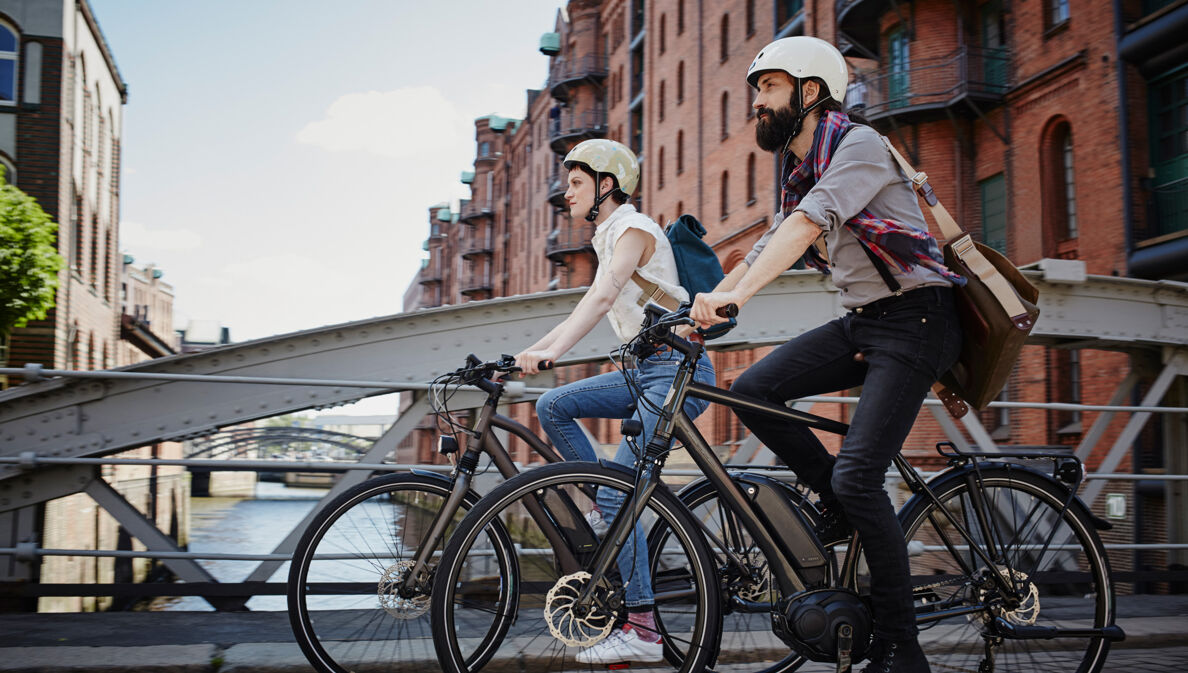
{"x":776,"y":505}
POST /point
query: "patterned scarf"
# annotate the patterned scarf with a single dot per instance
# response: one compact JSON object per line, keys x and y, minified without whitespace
{"x":899,"y":245}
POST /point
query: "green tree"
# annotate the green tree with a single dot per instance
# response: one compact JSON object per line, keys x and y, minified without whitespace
{"x":29,"y":263}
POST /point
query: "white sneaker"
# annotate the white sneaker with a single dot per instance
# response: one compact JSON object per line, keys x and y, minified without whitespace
{"x":597,"y":523}
{"x":622,"y":645}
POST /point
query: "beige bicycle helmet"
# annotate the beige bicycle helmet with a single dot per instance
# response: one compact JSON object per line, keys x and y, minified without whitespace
{"x":605,"y":156}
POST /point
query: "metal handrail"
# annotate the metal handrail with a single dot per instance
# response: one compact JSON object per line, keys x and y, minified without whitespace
{"x":570,"y":69}
{"x":34,"y":372}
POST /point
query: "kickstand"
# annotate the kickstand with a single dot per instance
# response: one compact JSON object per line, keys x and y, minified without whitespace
{"x":845,"y":643}
{"x":987,"y":663}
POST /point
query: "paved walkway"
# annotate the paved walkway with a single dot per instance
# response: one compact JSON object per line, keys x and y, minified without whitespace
{"x":261,"y":642}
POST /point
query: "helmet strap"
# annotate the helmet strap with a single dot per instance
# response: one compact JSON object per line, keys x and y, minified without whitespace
{"x":598,"y":199}
{"x":801,"y":111}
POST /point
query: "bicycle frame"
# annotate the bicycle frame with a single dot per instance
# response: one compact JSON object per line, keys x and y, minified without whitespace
{"x":463,"y":476}
{"x":675,"y":424}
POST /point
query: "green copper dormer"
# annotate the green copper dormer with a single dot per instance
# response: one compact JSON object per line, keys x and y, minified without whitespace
{"x":443,"y":214}
{"x":550,"y":44}
{"x":467,"y":177}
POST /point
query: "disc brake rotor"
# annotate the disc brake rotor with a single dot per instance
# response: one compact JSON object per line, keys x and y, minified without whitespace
{"x":1023,"y":614}
{"x":391,"y":600}
{"x":568,"y":621}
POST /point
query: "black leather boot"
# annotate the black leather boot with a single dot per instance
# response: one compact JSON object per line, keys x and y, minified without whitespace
{"x":896,"y":656}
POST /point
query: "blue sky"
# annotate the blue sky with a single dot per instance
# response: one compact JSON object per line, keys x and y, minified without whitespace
{"x":279,"y":157}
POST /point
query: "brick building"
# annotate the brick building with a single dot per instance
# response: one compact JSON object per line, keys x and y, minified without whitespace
{"x":1051,"y":130}
{"x":61,"y":121}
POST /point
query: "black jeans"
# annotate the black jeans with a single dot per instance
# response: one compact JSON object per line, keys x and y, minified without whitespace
{"x":906,"y":342}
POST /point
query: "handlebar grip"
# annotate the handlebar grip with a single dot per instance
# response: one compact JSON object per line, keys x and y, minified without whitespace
{"x":728,"y":311}
{"x":546,"y":365}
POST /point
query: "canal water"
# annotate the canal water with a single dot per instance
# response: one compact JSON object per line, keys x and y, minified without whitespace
{"x":248,"y":526}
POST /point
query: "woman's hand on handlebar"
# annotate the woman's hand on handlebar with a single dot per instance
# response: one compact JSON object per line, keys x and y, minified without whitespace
{"x":534,"y":362}
{"x":710,"y":308}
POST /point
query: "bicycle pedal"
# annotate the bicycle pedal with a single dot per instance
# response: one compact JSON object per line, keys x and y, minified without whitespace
{"x":845,"y":644}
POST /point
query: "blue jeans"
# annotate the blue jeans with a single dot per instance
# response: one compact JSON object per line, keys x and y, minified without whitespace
{"x":907,"y":342}
{"x":607,"y":396}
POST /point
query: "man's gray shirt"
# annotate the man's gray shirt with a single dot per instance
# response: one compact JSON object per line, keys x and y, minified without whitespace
{"x":862,"y":174}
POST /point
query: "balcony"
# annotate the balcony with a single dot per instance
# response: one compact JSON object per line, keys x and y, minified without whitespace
{"x":858,"y":24}
{"x":568,"y":240}
{"x":964,"y":81}
{"x":476,"y":241}
{"x":473,"y":210}
{"x":430,"y":274}
{"x":569,"y":128}
{"x":567,"y":73}
{"x":476,"y":281}
{"x":558,"y":184}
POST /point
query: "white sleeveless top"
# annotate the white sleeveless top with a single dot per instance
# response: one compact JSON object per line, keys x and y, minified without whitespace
{"x":626,"y":315}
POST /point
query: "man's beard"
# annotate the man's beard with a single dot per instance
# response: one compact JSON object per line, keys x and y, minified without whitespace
{"x":774,"y":127}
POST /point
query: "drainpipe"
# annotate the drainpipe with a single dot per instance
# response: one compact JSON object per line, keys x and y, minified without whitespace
{"x":1124,"y":134}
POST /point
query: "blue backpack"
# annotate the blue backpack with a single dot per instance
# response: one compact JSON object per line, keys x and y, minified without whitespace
{"x":698,"y":269}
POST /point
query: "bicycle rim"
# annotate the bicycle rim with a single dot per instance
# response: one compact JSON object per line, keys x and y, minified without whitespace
{"x":1056,"y":562}
{"x":462,"y":586}
{"x":343,"y":605}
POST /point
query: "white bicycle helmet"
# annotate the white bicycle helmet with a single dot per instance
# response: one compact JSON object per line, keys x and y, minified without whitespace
{"x":803,"y":57}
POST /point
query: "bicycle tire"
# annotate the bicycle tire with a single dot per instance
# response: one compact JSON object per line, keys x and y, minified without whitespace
{"x":531,"y":644}
{"x":368,"y":533}
{"x":1060,"y":556}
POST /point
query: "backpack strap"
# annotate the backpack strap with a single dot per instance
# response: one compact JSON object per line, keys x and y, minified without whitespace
{"x":653,"y":292}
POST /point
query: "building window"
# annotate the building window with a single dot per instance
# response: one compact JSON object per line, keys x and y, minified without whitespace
{"x":1057,"y":12}
{"x":750,"y":17}
{"x":1168,"y":105}
{"x":660,"y":103}
{"x":680,"y":82}
{"x":680,"y":16}
{"x":637,"y":71}
{"x":663,"y":32}
{"x":750,"y":178}
{"x":786,"y":10}
{"x":33,"y":73}
{"x":725,"y":193}
{"x":748,"y":102}
{"x":1066,"y":367}
{"x":680,"y":152}
{"x":1058,"y":194}
{"x":725,"y":115}
{"x":8,"y":65}
{"x":899,"y":61}
{"x":660,"y":170}
{"x":993,"y":191}
{"x":1069,"y":187}
{"x":637,"y":18}
{"x":724,"y":38}
{"x":637,"y":120}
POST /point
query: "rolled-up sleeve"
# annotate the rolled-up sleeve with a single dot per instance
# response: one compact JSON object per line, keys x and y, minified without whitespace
{"x":860,"y":169}
{"x":762,"y":242}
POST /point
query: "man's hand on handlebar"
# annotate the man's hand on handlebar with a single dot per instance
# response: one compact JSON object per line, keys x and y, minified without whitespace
{"x":534,"y":362}
{"x":711,"y":308}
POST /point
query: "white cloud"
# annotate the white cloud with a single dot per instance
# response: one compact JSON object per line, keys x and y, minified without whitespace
{"x":404,"y":124}
{"x":140,"y":239}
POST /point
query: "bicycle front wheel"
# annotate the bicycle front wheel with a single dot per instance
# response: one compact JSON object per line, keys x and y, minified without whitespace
{"x":344,"y":602}
{"x":546,"y":505}
{"x":1050,"y":555}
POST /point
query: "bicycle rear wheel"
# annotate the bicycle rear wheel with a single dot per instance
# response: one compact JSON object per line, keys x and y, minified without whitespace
{"x":551,"y":628}
{"x":343,"y":605}
{"x":1052,"y":555}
